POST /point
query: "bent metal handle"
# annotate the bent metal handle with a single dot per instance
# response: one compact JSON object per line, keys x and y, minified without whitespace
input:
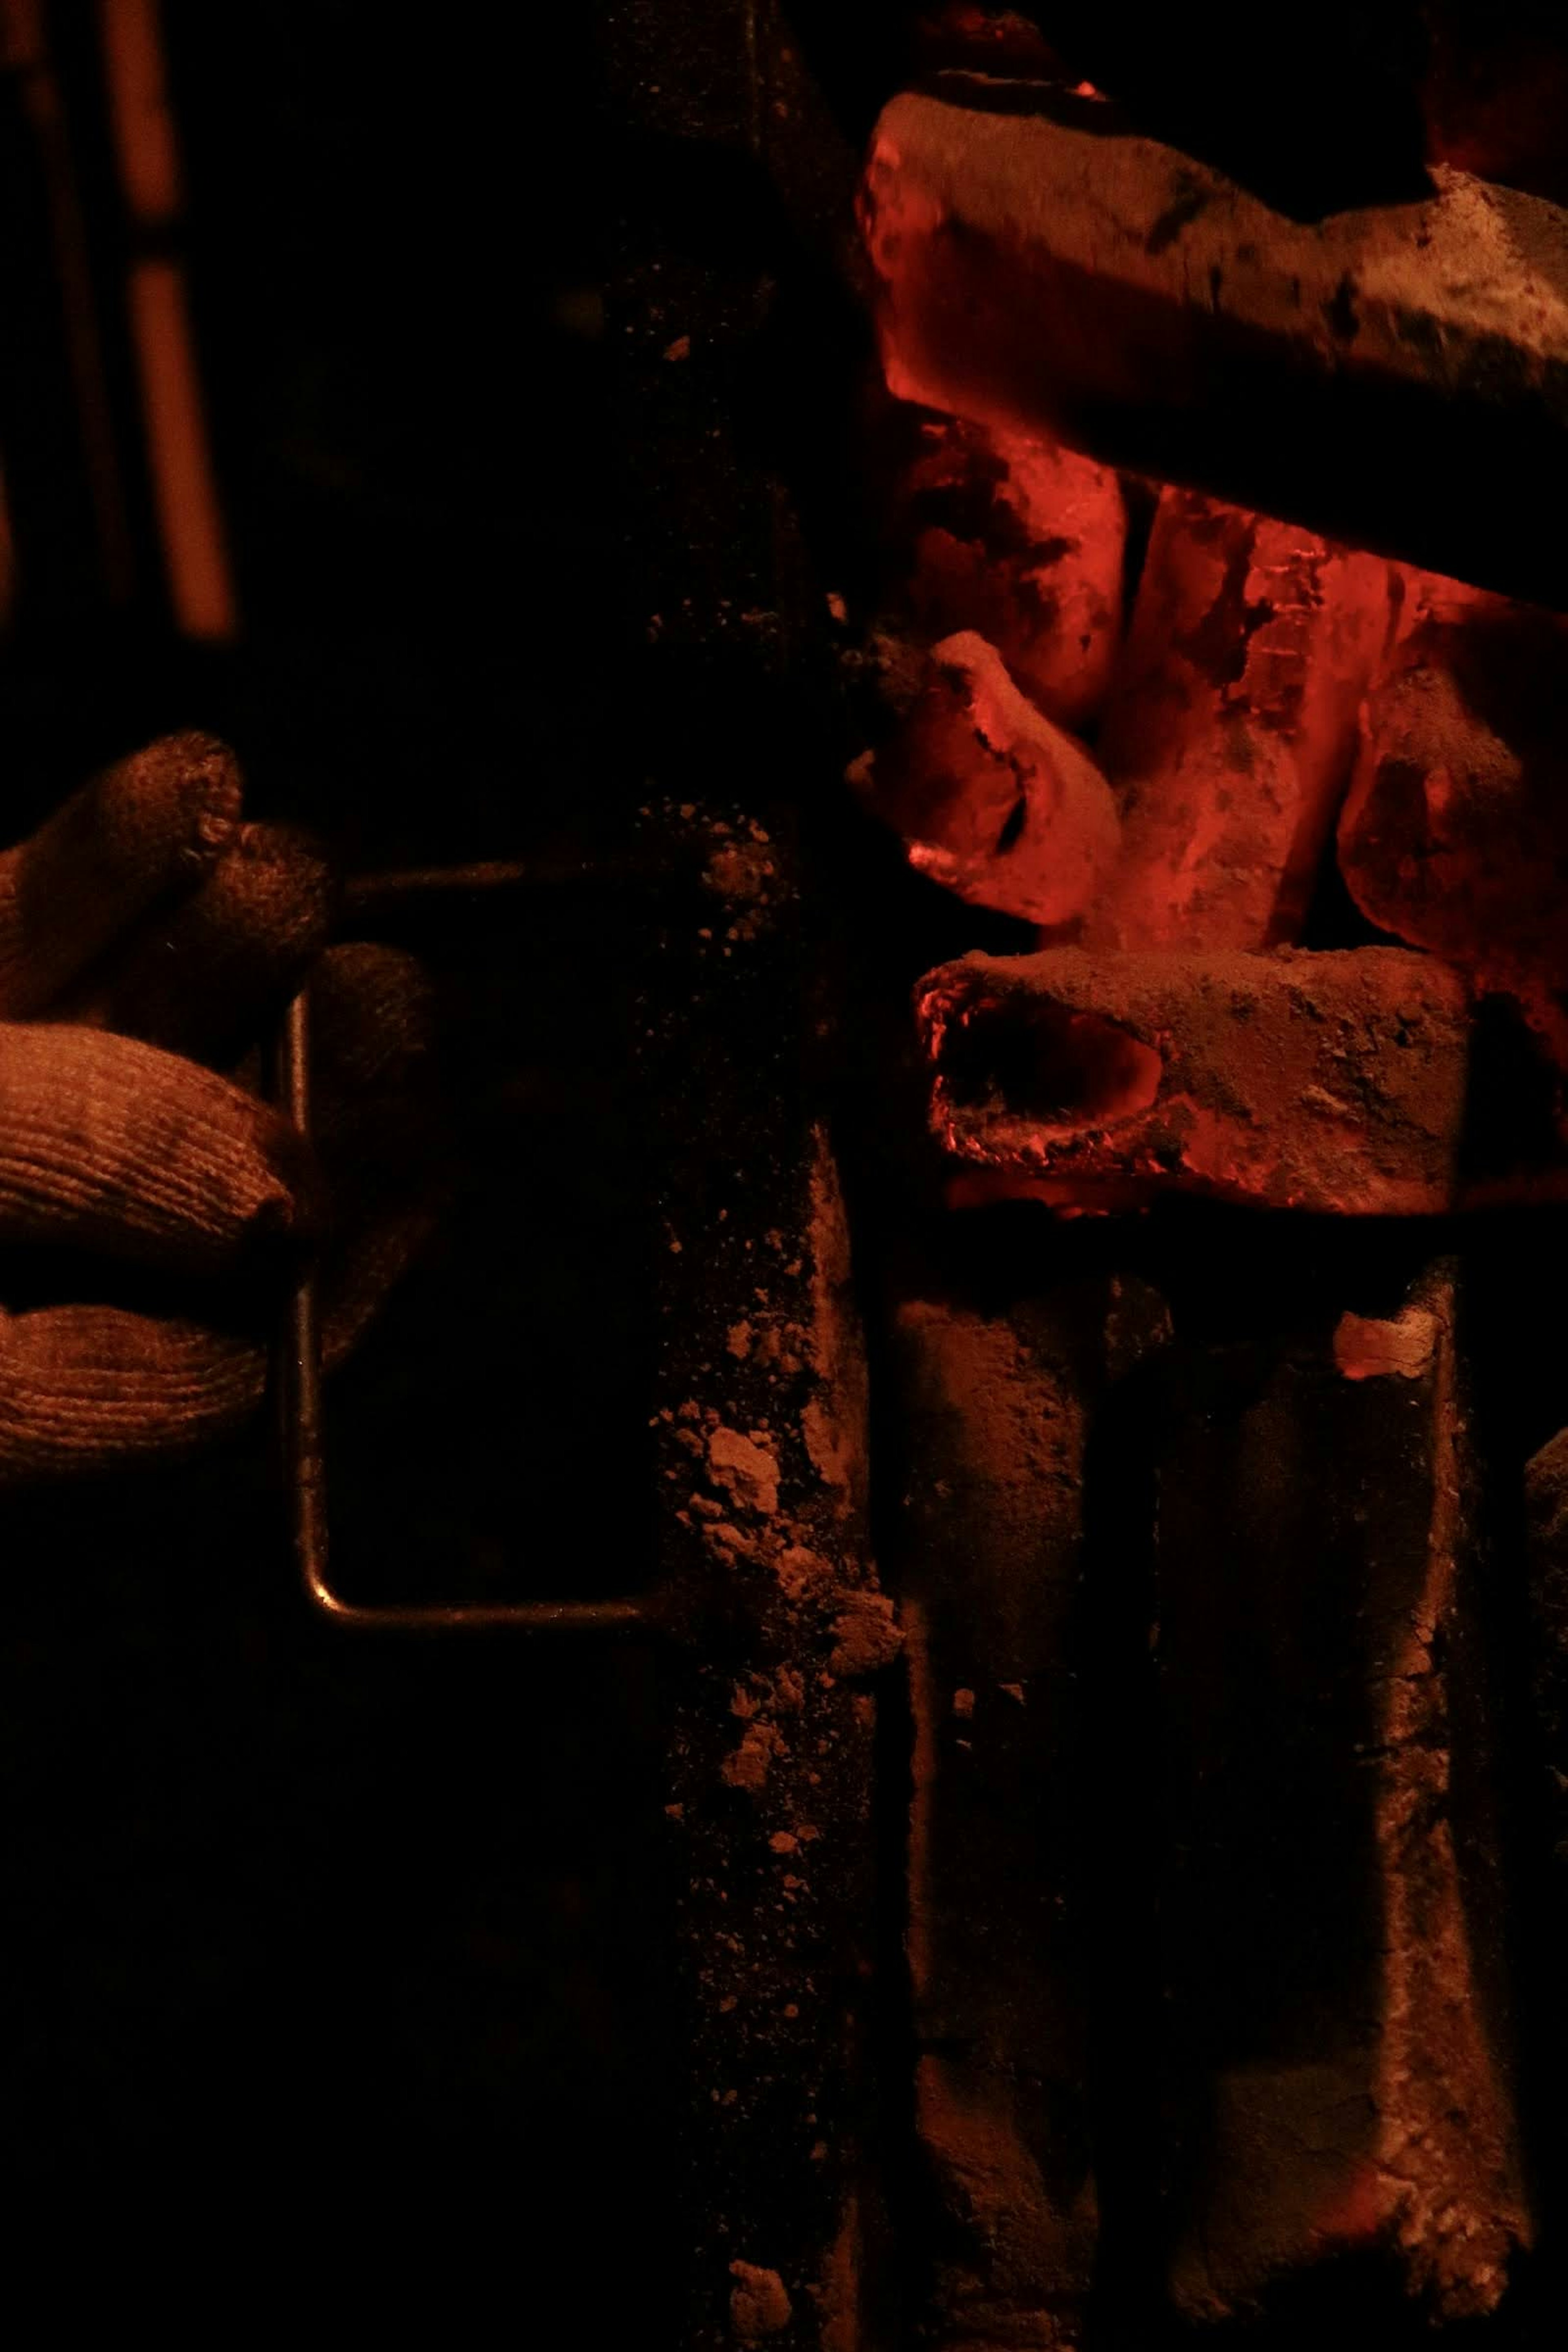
{"x":298,"y":1373}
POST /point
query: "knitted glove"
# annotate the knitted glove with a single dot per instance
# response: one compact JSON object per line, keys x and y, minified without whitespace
{"x":146,"y":933}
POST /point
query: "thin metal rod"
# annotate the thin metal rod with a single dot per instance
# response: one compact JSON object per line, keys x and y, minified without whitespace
{"x":300,"y":1400}
{"x":433,"y":881}
{"x":636,"y":870}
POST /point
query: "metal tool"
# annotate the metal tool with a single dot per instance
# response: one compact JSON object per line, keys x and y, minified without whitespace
{"x":298,"y":1365}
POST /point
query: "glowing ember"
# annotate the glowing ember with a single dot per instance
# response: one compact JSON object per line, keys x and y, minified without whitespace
{"x":1231,"y":725}
{"x":1454,"y":833}
{"x":1024,"y":541}
{"x":1034,"y":276}
{"x":991,"y":798}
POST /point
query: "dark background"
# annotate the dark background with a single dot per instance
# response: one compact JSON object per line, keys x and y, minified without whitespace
{"x":331,"y":1967}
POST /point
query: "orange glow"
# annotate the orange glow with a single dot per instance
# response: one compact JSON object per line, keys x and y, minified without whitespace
{"x":139,"y":109}
{"x":1023,"y":541}
{"x":1268,"y":687}
{"x":1455,"y":833}
{"x":1231,"y":725}
{"x":200,"y":586}
{"x":991,"y":799}
{"x":1361,"y":2212}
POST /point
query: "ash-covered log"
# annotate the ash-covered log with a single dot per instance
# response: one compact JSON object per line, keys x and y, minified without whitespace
{"x":1338,"y":2050}
{"x":1334,"y":1083}
{"x":997,"y":1402}
{"x":1041,"y":267}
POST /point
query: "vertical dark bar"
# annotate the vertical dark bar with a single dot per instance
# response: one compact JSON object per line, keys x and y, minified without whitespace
{"x":760,"y":1407}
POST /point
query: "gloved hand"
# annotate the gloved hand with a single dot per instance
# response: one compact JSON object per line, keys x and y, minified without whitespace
{"x":147,"y":934}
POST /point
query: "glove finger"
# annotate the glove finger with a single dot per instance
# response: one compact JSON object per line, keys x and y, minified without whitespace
{"x":85,"y":1387}
{"x":202,"y":981}
{"x":372,"y":1067}
{"x":358,"y":1273}
{"x":141,"y":833}
{"x":371,"y":1014}
{"x":112,"y":1145}
{"x":377,"y":1127}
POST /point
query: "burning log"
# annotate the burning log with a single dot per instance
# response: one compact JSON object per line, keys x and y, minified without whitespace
{"x":1333,"y":1083}
{"x":1041,"y":269}
{"x":1455,"y":833}
{"x":991,"y":800}
{"x":1023,"y":542}
{"x":1339,"y":2071}
{"x":1231,"y":726}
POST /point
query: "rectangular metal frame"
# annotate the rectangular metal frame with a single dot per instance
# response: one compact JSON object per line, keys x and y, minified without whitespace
{"x":298,"y":1366}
